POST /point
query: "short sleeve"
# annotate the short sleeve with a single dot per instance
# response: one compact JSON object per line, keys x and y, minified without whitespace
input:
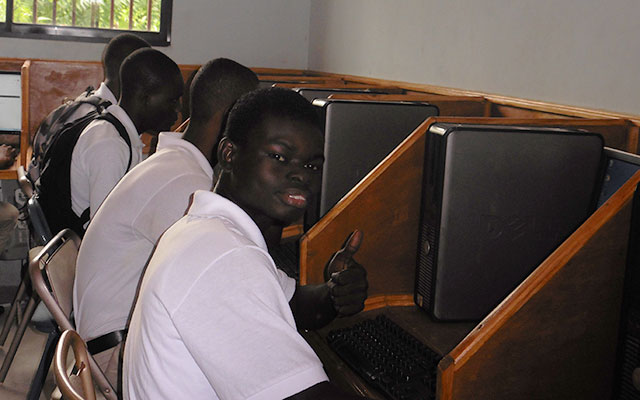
{"x":237,"y":324}
{"x":106,"y":161}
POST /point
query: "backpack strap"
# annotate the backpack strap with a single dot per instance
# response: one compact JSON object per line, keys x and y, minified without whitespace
{"x":121,"y":130}
{"x":85,"y":216}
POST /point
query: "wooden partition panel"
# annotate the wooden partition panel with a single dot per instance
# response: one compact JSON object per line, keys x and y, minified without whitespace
{"x":555,"y":336}
{"x":11,"y":64}
{"x":281,"y":71}
{"x":298,"y":78}
{"x":337,"y":85}
{"x":47,"y":84}
{"x":463,"y":106}
{"x":385,"y":205}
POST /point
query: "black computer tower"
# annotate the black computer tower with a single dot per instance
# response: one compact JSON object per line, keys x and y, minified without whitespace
{"x":497,"y":200}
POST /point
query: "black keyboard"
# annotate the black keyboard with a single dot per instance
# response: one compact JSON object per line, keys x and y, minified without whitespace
{"x":388,"y":357}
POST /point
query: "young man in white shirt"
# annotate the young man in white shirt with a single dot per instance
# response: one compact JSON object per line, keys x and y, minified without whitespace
{"x":113,"y":55}
{"x":215,"y":318}
{"x":149,"y":199}
{"x":151,"y":87}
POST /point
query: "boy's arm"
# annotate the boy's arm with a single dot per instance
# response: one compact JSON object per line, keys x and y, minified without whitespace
{"x":344,"y":293}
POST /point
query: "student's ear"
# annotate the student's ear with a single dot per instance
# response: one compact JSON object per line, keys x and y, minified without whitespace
{"x":226,"y":153}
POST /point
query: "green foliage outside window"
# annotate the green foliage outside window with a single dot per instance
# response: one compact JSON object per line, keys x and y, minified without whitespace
{"x":89,"y":13}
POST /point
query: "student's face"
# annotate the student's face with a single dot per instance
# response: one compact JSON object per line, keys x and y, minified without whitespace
{"x":278,"y":172}
{"x":163,"y":105}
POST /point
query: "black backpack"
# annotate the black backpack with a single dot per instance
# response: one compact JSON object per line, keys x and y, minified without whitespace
{"x":54,"y":185}
{"x":54,"y":123}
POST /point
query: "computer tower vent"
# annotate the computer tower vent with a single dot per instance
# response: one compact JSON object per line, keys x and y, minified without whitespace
{"x":426,"y":262}
{"x":630,"y":358}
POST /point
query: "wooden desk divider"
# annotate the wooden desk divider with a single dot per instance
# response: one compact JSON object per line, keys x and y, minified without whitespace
{"x":460,"y":106}
{"x":260,"y":71}
{"x":46,"y":84}
{"x":337,"y":85}
{"x":553,"y":337}
{"x":300,"y":78}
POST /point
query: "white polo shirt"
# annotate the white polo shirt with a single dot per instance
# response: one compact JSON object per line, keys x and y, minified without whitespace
{"x":99,"y":160}
{"x":212,"y":319}
{"x":124,"y":231}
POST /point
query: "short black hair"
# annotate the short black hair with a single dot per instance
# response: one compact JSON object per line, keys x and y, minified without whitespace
{"x":252,"y":109}
{"x":217,"y":85}
{"x":146,"y":70}
{"x":118,"y":48}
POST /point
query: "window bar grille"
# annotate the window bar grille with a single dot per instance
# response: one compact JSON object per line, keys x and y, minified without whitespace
{"x":93,"y":15}
{"x":149,"y":6}
{"x":130,"y":14}
{"x":54,"y":12}
{"x":34,"y":17}
{"x":112,"y":14}
{"x":73,"y":13}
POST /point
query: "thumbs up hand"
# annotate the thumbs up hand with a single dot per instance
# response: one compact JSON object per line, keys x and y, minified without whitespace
{"x":346,"y":279}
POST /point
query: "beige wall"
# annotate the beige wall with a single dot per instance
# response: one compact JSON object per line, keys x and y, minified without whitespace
{"x":576,"y":52}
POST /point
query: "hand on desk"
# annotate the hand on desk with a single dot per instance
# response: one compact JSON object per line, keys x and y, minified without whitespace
{"x":346,"y":279}
{"x":7,"y":156}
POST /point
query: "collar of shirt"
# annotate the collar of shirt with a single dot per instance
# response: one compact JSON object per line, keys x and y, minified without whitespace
{"x":211,"y":205}
{"x":174,"y":139}
{"x":122,"y":116}
{"x":105,"y":93}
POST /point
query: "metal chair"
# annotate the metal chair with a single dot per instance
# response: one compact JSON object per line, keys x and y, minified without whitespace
{"x":24,"y":182}
{"x":52,"y":274}
{"x":41,"y":234}
{"x":71,"y":340}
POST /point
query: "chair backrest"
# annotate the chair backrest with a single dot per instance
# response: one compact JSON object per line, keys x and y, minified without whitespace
{"x":25,"y":184}
{"x":52,"y":274}
{"x":41,"y":232}
{"x":71,"y":339}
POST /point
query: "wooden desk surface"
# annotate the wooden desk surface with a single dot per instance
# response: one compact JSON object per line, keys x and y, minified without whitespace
{"x":441,"y":337}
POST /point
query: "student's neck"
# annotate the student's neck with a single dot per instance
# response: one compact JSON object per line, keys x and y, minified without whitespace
{"x":272,"y":236}
{"x":204,"y":135}
{"x":133,"y":114}
{"x":113,"y":87}
{"x":270,"y":229}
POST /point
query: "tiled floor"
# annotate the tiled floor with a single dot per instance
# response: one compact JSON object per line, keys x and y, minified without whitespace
{"x":16,"y":385}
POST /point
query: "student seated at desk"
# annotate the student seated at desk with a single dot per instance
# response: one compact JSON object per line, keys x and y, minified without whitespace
{"x":215,"y":318}
{"x":149,"y":101}
{"x":149,"y":199}
{"x":113,"y":55}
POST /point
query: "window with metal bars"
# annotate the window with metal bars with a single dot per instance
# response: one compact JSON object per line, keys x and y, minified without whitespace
{"x":86,"y":20}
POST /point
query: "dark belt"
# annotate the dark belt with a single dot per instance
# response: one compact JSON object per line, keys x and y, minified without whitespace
{"x":105,"y":342}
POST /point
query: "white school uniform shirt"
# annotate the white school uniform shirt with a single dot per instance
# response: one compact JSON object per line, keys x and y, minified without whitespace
{"x":99,"y":160}
{"x":212,"y":320}
{"x":124,"y":231}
